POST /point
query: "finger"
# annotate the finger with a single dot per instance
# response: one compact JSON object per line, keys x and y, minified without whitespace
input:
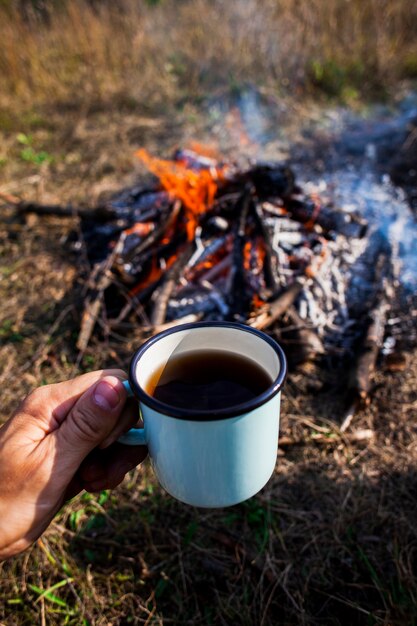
{"x":105,"y":469}
{"x":50,"y":404}
{"x":89,"y":422}
{"x":128,"y":418}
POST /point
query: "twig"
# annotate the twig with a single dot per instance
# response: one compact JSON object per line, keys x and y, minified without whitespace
{"x":155,"y":234}
{"x":102,"y":278}
{"x":278,"y":307}
{"x":171,"y":279}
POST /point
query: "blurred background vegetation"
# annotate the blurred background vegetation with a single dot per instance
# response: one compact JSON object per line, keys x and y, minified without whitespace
{"x":155,"y":53}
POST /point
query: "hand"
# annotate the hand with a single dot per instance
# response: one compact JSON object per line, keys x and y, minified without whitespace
{"x":59,"y":441}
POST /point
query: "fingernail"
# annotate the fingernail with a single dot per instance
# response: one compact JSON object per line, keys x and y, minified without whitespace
{"x":106,"y":395}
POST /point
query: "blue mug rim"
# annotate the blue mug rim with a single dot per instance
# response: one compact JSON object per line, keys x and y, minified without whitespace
{"x":205,"y":415}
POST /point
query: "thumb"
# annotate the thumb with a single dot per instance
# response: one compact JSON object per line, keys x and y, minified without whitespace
{"x":90,"y":421}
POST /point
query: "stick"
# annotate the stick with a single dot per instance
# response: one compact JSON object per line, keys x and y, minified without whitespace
{"x":155,"y":234}
{"x":278,"y":306}
{"x":171,"y":279}
{"x":364,"y":434}
{"x":102,"y":277}
{"x":68,"y":210}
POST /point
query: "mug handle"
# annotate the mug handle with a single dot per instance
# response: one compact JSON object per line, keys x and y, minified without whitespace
{"x":134,"y":436}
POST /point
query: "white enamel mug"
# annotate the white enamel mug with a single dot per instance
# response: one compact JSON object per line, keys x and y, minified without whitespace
{"x":210,"y":458}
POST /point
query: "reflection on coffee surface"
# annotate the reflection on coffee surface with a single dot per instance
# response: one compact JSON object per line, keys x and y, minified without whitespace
{"x":208,"y":380}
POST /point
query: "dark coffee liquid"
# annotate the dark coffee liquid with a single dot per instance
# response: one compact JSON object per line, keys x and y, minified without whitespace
{"x":208,"y":380}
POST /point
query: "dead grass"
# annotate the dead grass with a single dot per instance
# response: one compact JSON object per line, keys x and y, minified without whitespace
{"x":154,"y":54}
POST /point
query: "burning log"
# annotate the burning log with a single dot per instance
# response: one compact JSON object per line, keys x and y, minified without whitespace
{"x":310,"y":212}
{"x":268,"y":179}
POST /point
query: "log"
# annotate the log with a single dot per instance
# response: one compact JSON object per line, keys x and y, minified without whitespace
{"x":307,"y":340}
{"x":362,"y":374}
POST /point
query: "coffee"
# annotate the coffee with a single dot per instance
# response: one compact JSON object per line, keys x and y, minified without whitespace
{"x":208,"y":380}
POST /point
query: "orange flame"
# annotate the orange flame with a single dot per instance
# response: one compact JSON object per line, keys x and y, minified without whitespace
{"x":196,"y":190}
{"x":254,"y":256}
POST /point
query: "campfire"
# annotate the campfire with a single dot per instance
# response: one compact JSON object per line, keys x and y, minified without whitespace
{"x":211,"y":240}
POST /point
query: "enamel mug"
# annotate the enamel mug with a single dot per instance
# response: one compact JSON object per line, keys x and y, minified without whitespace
{"x":205,"y":458}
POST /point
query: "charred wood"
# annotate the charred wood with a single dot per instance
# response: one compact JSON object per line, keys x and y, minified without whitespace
{"x":101,"y":279}
{"x":278,"y":307}
{"x":171,"y":279}
{"x":306,"y":345}
{"x":155,"y":234}
{"x":99,"y":213}
{"x":363,"y":371}
{"x":239,"y":298}
{"x":309,"y":213}
{"x":269,"y":272}
{"x":269,"y":179}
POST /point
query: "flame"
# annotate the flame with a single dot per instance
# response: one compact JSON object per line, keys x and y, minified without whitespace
{"x":196,"y":190}
{"x":254,"y":256}
{"x":257,"y":301}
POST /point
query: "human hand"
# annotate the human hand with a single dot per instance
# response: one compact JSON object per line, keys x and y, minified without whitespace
{"x":60,"y":440}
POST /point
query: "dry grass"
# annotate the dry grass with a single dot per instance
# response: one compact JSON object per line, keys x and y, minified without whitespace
{"x":157,"y":53}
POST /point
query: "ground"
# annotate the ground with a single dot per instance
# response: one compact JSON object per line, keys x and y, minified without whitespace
{"x":331,"y":539}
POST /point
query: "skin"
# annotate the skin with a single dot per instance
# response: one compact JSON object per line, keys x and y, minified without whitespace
{"x":60,"y":440}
